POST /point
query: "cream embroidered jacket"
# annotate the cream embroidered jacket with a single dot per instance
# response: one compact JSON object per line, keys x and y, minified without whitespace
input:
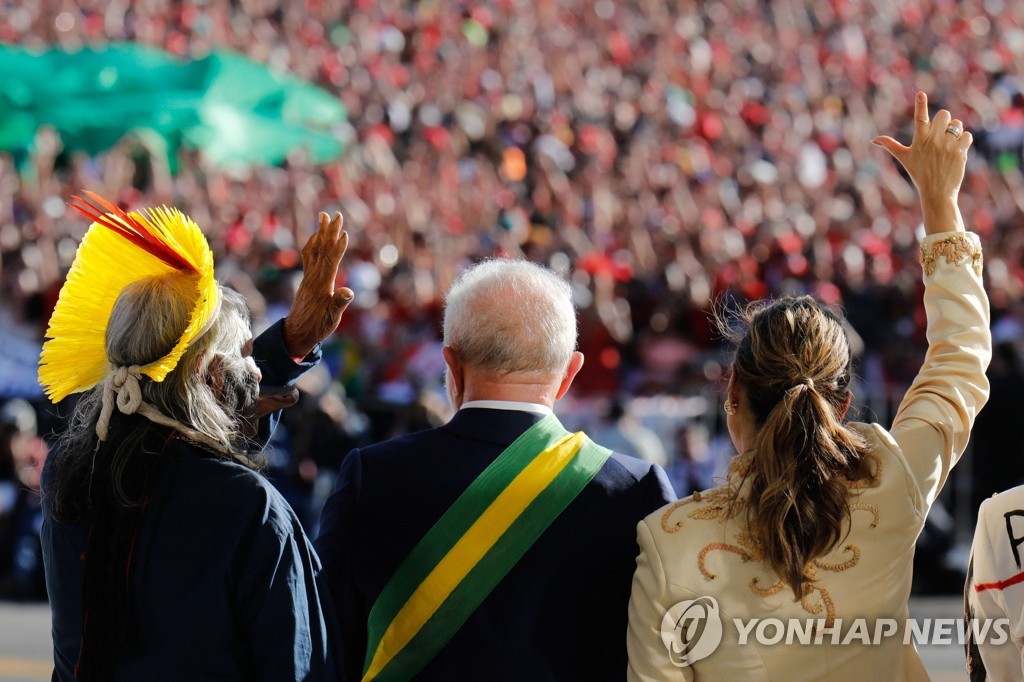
{"x":696,"y":547}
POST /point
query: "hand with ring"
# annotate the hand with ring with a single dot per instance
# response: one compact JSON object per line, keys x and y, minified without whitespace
{"x":935,"y":160}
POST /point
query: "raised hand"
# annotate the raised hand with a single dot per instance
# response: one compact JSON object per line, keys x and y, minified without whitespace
{"x":935,"y":161}
{"x":318,"y":306}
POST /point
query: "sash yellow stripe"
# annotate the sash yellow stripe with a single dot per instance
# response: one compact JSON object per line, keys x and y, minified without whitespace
{"x":472,"y":547}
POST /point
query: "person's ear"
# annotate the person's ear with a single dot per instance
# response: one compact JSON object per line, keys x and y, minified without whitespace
{"x":845,"y":407}
{"x":215,"y":376}
{"x":733,"y":389}
{"x":575,"y":364}
{"x":451,"y":358}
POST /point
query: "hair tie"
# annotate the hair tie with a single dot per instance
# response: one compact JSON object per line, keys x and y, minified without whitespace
{"x":805,"y":382}
{"x":121,"y":388}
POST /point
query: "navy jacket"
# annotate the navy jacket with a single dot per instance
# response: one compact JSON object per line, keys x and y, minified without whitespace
{"x":224,"y":579}
{"x":560,"y":614}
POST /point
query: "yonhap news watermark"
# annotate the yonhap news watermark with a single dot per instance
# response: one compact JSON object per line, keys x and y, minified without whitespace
{"x":692,"y":630}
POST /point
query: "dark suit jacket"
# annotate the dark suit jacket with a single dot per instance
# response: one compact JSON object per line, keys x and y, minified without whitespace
{"x":560,"y":613}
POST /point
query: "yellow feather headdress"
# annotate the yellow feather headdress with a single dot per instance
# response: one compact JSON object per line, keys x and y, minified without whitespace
{"x":118,"y":249}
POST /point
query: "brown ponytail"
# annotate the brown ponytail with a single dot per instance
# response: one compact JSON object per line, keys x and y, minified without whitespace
{"x":793,"y":364}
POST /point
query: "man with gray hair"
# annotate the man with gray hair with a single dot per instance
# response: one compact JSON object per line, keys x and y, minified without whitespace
{"x":498,"y":546}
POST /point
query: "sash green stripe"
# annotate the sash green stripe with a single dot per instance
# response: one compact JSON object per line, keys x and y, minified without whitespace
{"x":454,"y":523}
{"x":509,"y":548}
{"x":485,"y":576}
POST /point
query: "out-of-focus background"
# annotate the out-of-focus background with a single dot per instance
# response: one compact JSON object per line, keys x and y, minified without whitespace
{"x":665,"y":156}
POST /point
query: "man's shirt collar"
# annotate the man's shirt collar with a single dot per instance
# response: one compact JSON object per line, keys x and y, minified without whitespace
{"x":508,"y":405}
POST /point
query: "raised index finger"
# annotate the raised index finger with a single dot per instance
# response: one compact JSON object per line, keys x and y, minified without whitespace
{"x":920,"y":115}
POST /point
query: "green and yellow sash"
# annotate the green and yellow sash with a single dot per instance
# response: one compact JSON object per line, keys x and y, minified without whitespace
{"x":474,"y":545}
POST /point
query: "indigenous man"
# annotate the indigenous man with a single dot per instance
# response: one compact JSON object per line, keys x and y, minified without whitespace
{"x":168,"y":557}
{"x":499,"y":546}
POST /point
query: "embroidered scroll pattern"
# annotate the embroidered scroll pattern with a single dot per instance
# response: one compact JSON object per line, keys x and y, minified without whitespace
{"x":815,"y":598}
{"x":841,"y":566}
{"x":665,"y":518}
{"x":955,"y":249}
{"x":724,"y":503}
{"x":770,"y":592}
{"x":721,"y":504}
{"x":822,"y":603}
{"x":875,"y":514}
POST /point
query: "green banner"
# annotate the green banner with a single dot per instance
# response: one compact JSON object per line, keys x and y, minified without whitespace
{"x":235,"y":111}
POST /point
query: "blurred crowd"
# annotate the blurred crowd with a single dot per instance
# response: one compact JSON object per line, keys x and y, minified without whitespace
{"x":667,"y":157}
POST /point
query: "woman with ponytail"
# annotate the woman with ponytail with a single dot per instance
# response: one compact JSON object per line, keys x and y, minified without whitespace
{"x":799,"y":567}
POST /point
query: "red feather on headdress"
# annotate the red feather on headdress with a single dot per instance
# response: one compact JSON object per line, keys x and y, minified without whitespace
{"x":112,"y":217}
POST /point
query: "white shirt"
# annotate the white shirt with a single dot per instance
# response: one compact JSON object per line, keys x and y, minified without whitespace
{"x":536,"y":408}
{"x":997,"y":588}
